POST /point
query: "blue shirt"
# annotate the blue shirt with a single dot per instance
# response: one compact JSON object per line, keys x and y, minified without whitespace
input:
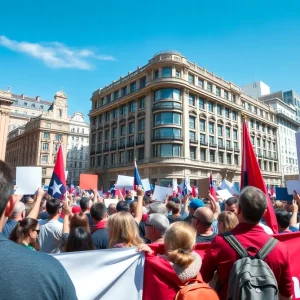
{"x":9,"y":227}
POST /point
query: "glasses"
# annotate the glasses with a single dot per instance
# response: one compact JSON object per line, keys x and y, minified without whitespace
{"x":195,"y":218}
{"x":149,"y":225}
{"x":37,"y":231}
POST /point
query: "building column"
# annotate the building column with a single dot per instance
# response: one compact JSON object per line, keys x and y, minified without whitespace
{"x":185,"y":124}
{"x":148,"y":126}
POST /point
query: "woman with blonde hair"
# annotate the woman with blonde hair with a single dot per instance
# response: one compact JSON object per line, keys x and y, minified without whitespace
{"x":227,"y":220}
{"x":123,"y":231}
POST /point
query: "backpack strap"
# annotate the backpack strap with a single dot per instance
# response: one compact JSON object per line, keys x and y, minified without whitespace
{"x":235,"y":244}
{"x":267,"y":248}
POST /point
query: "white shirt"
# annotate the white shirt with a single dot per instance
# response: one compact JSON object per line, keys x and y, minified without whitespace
{"x":266,"y":228}
{"x":50,"y":236}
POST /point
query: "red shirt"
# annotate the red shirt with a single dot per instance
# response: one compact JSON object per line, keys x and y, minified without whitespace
{"x":221,"y":256}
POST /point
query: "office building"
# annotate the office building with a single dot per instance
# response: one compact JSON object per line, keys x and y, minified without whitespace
{"x":293,"y":98}
{"x":256,"y":89}
{"x":179,"y":121}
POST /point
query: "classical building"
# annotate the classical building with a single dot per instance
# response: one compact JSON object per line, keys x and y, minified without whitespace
{"x":179,"y":121}
{"x":24,"y":108}
{"x":5,"y":106}
{"x":78,"y":147}
{"x":289,"y":124}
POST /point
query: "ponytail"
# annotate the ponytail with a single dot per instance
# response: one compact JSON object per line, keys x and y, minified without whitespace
{"x":17,"y":235}
{"x":180,"y":257}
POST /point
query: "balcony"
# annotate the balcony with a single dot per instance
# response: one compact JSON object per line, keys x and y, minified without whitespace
{"x":221,"y":147}
{"x":229,"y":148}
{"x":165,"y":105}
{"x":167,"y":137}
{"x":265,"y":156}
{"x":259,"y":155}
{"x":93,"y":152}
{"x":113,"y":148}
{"x":203,"y":143}
{"x":192,"y":141}
{"x":237,"y":150}
{"x":130,"y":144}
{"x":121,"y":146}
{"x":213,"y":145}
{"x":140,"y":142}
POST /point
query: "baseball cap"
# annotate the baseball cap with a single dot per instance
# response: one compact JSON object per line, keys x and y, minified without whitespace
{"x":196,"y":203}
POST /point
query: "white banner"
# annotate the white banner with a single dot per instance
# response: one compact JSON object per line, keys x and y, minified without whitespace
{"x":105,"y":274}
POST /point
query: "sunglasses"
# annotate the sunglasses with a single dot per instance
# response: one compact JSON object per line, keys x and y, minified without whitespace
{"x":37,"y":231}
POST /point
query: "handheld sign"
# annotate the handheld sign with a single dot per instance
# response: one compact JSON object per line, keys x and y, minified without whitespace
{"x":28,"y":180}
{"x":88,"y":181}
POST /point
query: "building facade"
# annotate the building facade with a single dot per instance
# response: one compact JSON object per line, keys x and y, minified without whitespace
{"x":256,"y":89}
{"x":5,"y":107}
{"x":293,"y":98}
{"x":289,"y":124}
{"x":78,"y":147}
{"x":24,"y":108}
{"x":179,"y":121}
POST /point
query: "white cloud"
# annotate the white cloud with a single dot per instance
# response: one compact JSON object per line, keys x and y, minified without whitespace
{"x":55,"y":55}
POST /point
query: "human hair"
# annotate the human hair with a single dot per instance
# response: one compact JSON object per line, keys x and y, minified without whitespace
{"x":176,"y":209}
{"x":158,"y":207}
{"x":19,"y":208}
{"x":170,"y":205}
{"x":180,"y":240}
{"x":84,"y":203}
{"x":122,"y":206}
{"x":98,"y":211}
{"x":52,"y":206}
{"x":253,"y":203}
{"x":80,"y":220}
{"x":79,"y":239}
{"x":6,"y":185}
{"x":283,"y":218}
{"x":159,"y":221}
{"x":278,"y":204}
{"x":22,"y":231}
{"x":229,"y":220}
{"x":132,"y":208}
{"x":112,"y":208}
{"x":232,"y":200}
{"x":123,"y":229}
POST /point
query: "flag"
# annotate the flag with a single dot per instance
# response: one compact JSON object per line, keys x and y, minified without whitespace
{"x":251,"y":176}
{"x":137,"y":178}
{"x":272,"y":191}
{"x":118,"y":193}
{"x":212,"y":190}
{"x":113,"y":190}
{"x":194,"y":192}
{"x":57,"y":186}
{"x":184,"y":188}
{"x":179,"y":190}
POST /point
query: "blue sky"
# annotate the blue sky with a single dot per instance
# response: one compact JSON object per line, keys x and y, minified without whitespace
{"x":83,"y":45}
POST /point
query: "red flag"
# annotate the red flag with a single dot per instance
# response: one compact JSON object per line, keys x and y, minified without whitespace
{"x":118,"y":192}
{"x":211,"y":187}
{"x":251,"y":175}
{"x":194,"y":193}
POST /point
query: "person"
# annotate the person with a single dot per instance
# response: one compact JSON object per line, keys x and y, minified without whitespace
{"x":112,"y":209}
{"x":221,"y":256}
{"x":202,"y":221}
{"x":85,"y":205}
{"x":227,"y":220}
{"x":178,"y":265}
{"x":48,"y":279}
{"x":283,"y":220}
{"x":79,"y":239}
{"x":122,"y":206}
{"x":99,"y":232}
{"x":179,"y":213}
{"x":50,"y":237}
{"x":123,"y":231}
{"x":194,"y":204}
{"x":156,"y":227}
{"x":158,"y":207}
{"x":142,"y":224}
{"x":231,"y":204}
{"x":26,"y":233}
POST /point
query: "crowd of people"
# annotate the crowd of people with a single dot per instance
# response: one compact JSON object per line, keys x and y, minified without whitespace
{"x":33,"y":227}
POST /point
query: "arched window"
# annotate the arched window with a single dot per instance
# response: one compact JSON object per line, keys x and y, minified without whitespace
{"x":59,"y":113}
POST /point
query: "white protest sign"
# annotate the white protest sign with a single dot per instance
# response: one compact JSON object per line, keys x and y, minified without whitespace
{"x":146,"y":185}
{"x":28,"y":180}
{"x":66,"y":174}
{"x":109,"y":201}
{"x":293,"y":185}
{"x":229,"y":186}
{"x":124,"y":182}
{"x":100,"y":193}
{"x":224,"y":194}
{"x":161,"y":192}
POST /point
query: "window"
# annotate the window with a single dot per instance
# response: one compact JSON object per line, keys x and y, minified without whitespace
{"x":156,"y":74}
{"x":191,"y":99}
{"x":166,"y":150}
{"x":107,"y":116}
{"x":233,"y":116}
{"x":131,"y":127}
{"x":211,"y":140}
{"x":167,"y":94}
{"x":203,"y":154}
{"x":200,"y":83}
{"x":212,"y":156}
{"x":141,"y":125}
{"x":124,"y":91}
{"x":46,"y":135}
{"x":252,"y":140}
{"x":167,"y":118}
{"x":263,"y":128}
{"x":227,"y":113}
{"x":123,"y":130}
{"x":132,"y":107}
{"x":218,"y":91}
{"x":114,"y":132}
{"x":249,"y":107}
{"x":131,"y":140}
{"x":221,"y":156}
{"x":226,"y":95}
{"x":210,"y":107}
{"x":236,"y":160}
{"x":45,"y":146}
{"x":177,"y":74}
{"x":235,"y":134}
{"x":122,"y":141}
{"x":123,"y":110}
{"x":58,"y":137}
{"x":264,"y":144}
{"x":44,"y":159}
{"x":192,"y":135}
{"x":270,"y":166}
{"x":122,"y":157}
{"x":132,"y":87}
{"x":258,"y":142}
{"x":201,"y":103}
{"x":168,"y":132}
{"x":192,"y":122}
{"x":209,"y":87}
{"x":228,"y":158}
{"x":25,"y":103}
{"x":202,"y":125}
{"x":116,"y":95}
{"x":220,"y":142}
{"x":56,"y":147}
{"x":106,"y":135}
{"x":219,"y":110}
{"x":228,"y":132}
{"x":143,"y":82}
{"x":233,"y":97}
{"x":48,"y":125}
{"x":142,"y":102}
{"x":192,"y":152}
{"x":115,"y":113}
{"x":211,"y":127}
{"x":141,"y":138}
{"x":191,"y":79}
{"x":257,"y":126}
{"x":220,"y":130}
{"x":228,"y":144}
{"x":251,"y":123}
{"x":141,"y":153}
{"x":202,"y":138}
{"x":166,"y":72}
